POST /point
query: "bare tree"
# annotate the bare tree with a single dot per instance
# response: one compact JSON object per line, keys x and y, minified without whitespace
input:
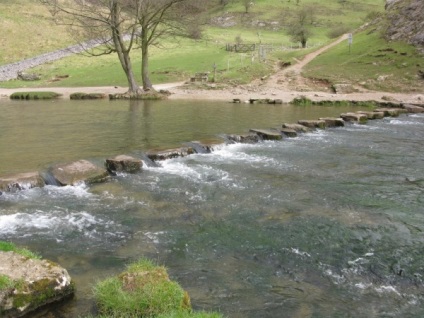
{"x":107,"y":23}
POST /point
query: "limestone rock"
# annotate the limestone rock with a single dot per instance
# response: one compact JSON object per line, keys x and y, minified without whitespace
{"x":21,"y":181}
{"x":267,"y":134}
{"x":413,"y":108}
{"x":333,"y":122}
{"x":77,"y":172}
{"x":313,"y":123}
{"x":123,"y":163}
{"x":372,"y":115}
{"x":288,"y":132}
{"x":170,"y":153}
{"x":391,"y":112}
{"x":297,"y":127}
{"x":355,"y":117}
{"x":243,"y":139}
{"x":344,"y":89}
{"x":34,"y":283}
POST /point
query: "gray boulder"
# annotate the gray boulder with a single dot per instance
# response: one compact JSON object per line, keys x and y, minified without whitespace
{"x":32,"y":284}
{"x":21,"y":181}
{"x":372,"y":115}
{"x":123,"y":163}
{"x":413,"y":108}
{"x":78,"y":172}
{"x":288,"y":132}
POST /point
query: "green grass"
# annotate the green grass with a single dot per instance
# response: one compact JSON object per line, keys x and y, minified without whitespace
{"x":373,"y":63}
{"x":179,"y":60}
{"x":6,"y":282}
{"x":10,"y":247}
{"x":28,"y":30}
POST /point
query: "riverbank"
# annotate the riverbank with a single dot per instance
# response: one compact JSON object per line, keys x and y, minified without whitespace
{"x":180,"y":91}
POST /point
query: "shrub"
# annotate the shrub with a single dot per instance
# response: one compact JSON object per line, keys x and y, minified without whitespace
{"x":338,"y":31}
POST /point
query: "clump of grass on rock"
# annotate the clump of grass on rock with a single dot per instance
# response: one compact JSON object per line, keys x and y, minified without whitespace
{"x":34,"y":95}
{"x":143,"y":290}
{"x":10,"y":247}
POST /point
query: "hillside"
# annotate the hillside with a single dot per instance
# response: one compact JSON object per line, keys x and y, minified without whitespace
{"x":405,"y":19}
{"x":27,"y":29}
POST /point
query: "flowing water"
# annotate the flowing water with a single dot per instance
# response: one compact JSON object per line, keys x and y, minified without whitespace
{"x":328,"y":224}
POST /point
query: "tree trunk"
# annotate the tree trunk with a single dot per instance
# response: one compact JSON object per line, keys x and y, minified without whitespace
{"x":147,"y":84}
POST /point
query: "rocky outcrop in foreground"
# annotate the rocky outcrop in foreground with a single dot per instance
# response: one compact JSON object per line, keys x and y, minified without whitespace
{"x":28,"y":284}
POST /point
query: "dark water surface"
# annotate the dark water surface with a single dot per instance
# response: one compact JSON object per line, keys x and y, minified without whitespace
{"x":329,"y":224}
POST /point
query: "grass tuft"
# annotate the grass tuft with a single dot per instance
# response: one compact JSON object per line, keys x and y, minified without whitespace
{"x":10,"y":247}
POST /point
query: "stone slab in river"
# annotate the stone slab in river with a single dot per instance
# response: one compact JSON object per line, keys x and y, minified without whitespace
{"x":170,"y":153}
{"x":333,"y":122}
{"x":40,"y":282}
{"x":244,"y":139}
{"x":297,"y":127}
{"x":124,"y":163}
{"x":267,"y":134}
{"x":78,"y":172}
{"x":21,"y":181}
{"x":313,"y":123}
{"x":355,"y":117}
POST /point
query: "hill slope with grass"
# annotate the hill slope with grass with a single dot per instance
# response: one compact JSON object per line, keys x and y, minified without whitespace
{"x":372,"y":63}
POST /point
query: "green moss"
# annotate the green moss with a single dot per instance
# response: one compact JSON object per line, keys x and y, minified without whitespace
{"x":6,"y":282}
{"x":34,"y":95}
{"x":41,"y":292}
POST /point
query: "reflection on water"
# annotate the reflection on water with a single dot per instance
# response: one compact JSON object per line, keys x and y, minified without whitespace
{"x":34,"y":134}
{"x":329,"y":224}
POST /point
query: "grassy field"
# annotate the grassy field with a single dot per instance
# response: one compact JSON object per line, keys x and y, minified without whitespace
{"x":28,"y":30}
{"x":372,"y":63}
{"x":181,"y":58}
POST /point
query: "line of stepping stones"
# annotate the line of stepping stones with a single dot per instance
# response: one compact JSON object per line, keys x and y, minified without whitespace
{"x":84,"y":171}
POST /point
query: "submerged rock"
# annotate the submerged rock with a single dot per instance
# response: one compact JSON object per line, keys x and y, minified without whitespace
{"x":266,"y":134}
{"x":21,"y":181}
{"x":123,"y":163}
{"x":32,"y":284}
{"x":77,"y":172}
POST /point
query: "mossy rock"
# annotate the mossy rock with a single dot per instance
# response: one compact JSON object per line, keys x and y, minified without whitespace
{"x":34,"y":95}
{"x":149,"y":95}
{"x":28,"y":283}
{"x":78,"y":96}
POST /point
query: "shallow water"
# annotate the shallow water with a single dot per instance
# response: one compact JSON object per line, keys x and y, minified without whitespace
{"x":329,"y":224}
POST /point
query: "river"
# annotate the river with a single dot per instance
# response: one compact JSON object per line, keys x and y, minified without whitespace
{"x":328,"y":224}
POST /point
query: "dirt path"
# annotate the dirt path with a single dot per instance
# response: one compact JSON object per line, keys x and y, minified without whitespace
{"x":285,"y":84}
